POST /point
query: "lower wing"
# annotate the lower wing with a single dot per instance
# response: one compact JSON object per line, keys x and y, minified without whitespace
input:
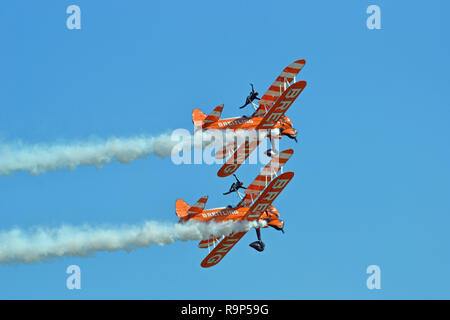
{"x":238,"y":158}
{"x":216,"y":255}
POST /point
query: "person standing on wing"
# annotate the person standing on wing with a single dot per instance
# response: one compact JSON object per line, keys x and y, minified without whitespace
{"x":252,"y":96}
{"x":235,"y":186}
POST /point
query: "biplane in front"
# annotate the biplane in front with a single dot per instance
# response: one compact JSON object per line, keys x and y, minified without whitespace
{"x":255,"y":204}
{"x":268,"y":119}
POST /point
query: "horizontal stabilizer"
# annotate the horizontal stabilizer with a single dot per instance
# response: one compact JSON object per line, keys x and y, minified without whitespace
{"x":198,"y":206}
{"x":214,"y":116}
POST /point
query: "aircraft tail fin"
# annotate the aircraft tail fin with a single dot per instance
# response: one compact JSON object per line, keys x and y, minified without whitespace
{"x":183,"y":210}
{"x":198,"y":118}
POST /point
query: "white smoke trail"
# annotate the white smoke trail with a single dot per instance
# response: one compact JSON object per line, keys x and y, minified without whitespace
{"x":42,"y":244}
{"x":40,"y":158}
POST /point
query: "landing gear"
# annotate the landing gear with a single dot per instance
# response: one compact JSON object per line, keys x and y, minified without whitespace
{"x":258,"y":245}
{"x":271,"y":153}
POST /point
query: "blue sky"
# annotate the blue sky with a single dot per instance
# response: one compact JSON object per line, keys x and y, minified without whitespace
{"x":372,"y":165}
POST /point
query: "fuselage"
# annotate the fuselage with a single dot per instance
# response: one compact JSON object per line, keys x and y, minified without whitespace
{"x":283,"y":126}
{"x":236,"y":123}
{"x":271,"y":215}
{"x":220,"y":214}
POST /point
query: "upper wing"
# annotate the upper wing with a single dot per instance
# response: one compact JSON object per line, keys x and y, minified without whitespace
{"x":281,"y":105}
{"x":268,"y":196}
{"x":235,"y":161}
{"x":221,"y":249}
{"x":265,"y":176}
{"x":278,"y":86}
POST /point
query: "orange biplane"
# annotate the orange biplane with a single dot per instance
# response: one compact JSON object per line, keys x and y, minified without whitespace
{"x":256,"y":204}
{"x":268,"y":117}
